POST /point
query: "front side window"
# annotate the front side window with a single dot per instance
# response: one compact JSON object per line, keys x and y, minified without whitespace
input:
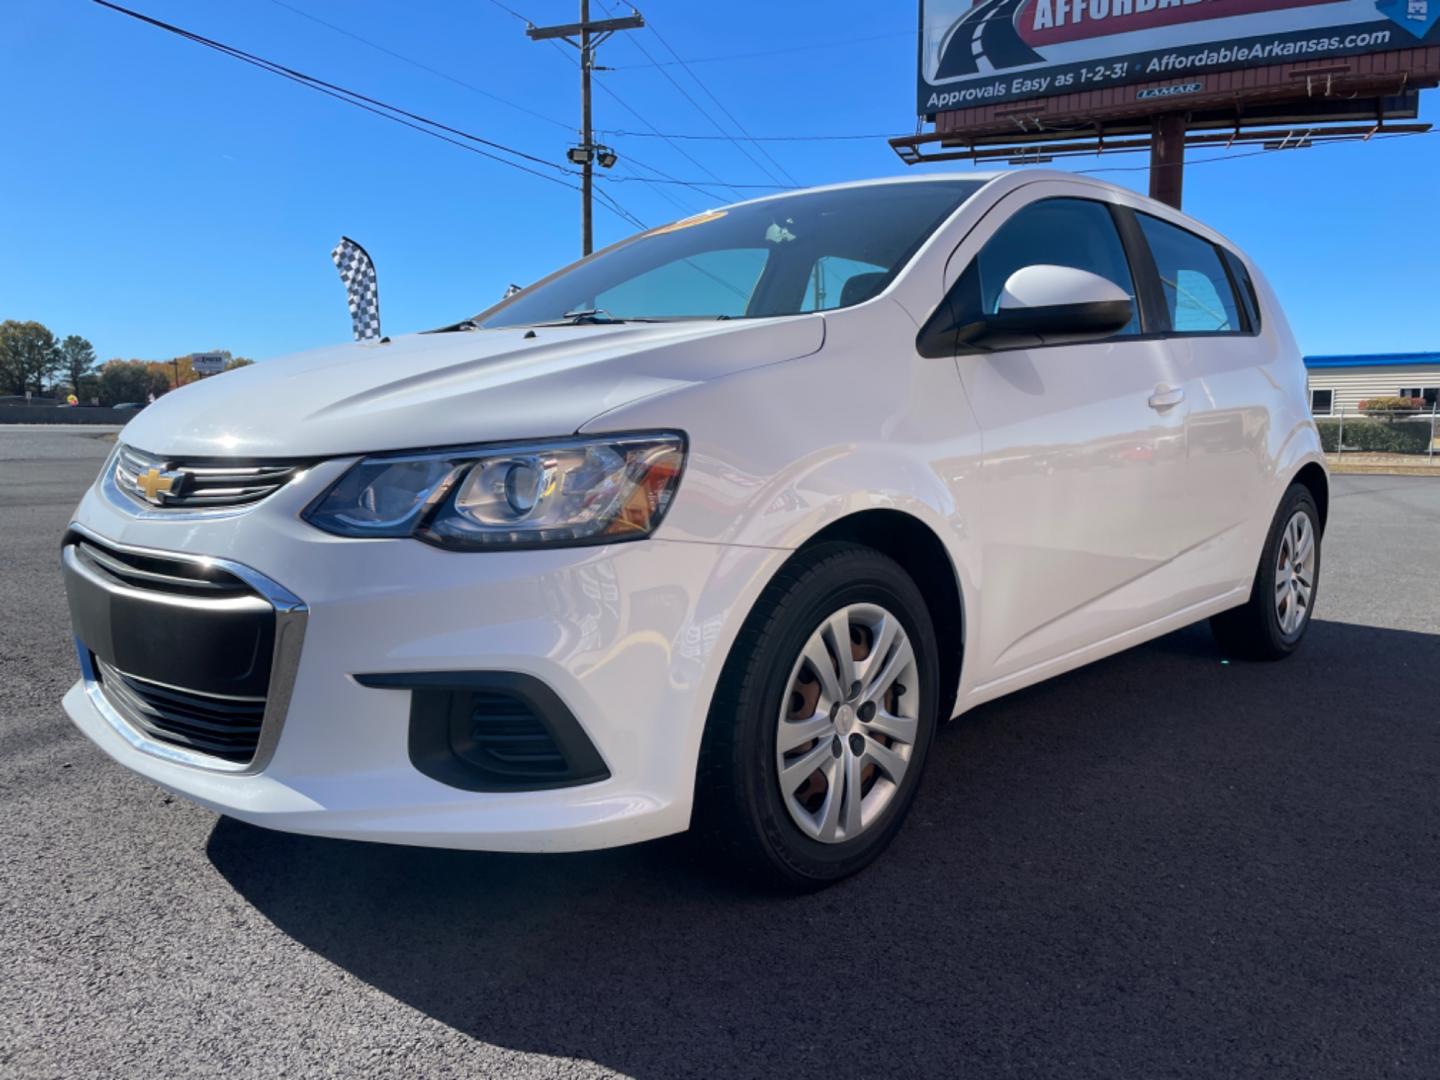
{"x":789,"y":255}
{"x":1321,"y":402}
{"x":1078,"y":233}
{"x":1198,"y":294}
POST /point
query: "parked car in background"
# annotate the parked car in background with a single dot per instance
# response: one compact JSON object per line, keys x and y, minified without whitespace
{"x":712,"y":528}
{"x":129,"y":406}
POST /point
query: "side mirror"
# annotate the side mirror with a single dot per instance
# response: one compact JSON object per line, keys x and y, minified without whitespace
{"x":1052,"y":305}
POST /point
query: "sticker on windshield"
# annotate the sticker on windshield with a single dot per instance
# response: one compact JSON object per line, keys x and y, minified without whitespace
{"x":690,"y":222}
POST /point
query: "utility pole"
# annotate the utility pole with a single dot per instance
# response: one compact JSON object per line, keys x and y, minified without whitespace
{"x":1167,"y":157}
{"x":587,"y":37}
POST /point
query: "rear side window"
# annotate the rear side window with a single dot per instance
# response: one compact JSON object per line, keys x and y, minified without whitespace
{"x":1198,"y":293}
{"x":1077,"y":233}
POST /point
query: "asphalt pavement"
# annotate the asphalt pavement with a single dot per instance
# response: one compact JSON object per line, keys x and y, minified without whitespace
{"x":1163,"y":865}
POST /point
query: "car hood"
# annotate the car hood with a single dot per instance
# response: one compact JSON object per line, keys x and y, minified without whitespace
{"x":455,"y":387}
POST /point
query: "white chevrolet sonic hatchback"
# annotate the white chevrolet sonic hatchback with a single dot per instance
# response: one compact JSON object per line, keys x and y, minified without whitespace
{"x":710,"y":529}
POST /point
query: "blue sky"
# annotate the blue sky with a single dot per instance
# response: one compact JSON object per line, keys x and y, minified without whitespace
{"x":160,"y":199}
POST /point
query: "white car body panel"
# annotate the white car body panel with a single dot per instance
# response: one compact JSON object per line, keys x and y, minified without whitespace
{"x":452,"y":388}
{"x":1078,"y":520}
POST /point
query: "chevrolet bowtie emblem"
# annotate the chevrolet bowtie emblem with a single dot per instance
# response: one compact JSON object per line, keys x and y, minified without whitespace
{"x":153,"y":483}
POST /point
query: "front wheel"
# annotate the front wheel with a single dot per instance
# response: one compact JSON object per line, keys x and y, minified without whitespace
{"x":1272,"y":623}
{"x":820,"y":727}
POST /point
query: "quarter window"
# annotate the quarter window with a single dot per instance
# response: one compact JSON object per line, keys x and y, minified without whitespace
{"x":1198,"y":293}
{"x":839,"y":282}
{"x":1077,"y":233}
{"x":1248,"y":298}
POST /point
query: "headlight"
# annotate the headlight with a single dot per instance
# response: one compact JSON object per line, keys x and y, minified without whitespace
{"x":563,"y":492}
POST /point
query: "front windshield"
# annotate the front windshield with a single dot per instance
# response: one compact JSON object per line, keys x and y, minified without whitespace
{"x":784,"y":256}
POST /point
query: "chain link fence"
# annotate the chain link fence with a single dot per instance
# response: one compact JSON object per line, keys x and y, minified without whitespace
{"x":1412,"y":434}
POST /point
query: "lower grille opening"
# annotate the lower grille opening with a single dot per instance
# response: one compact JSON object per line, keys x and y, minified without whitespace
{"x":493,"y":731}
{"x":223,"y":727}
{"x":507,"y":738}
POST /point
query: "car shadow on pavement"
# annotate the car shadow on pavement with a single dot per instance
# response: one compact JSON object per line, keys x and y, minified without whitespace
{"x":1163,"y":864}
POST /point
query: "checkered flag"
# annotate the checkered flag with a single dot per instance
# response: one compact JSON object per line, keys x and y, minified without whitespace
{"x":357,"y":273}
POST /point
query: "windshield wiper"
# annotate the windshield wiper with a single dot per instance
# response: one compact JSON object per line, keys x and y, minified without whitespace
{"x":589,"y":315}
{"x":601,"y":317}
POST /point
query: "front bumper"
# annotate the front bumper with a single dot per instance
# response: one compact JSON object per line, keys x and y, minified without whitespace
{"x":630,"y":637}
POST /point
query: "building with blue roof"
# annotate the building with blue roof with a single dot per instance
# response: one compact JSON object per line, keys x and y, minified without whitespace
{"x":1342,"y":382}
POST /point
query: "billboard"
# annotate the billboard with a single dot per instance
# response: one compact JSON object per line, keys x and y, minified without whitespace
{"x":989,"y":51}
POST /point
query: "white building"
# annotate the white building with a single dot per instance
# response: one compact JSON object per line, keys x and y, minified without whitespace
{"x":1342,"y":382}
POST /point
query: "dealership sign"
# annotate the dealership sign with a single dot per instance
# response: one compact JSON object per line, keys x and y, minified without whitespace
{"x":991,"y":51}
{"x":207,"y":363}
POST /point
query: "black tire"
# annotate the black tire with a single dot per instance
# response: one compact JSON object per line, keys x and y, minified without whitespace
{"x":1253,"y":631}
{"x":739,"y":808}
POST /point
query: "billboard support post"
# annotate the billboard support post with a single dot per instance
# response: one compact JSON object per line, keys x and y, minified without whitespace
{"x":1167,"y":158}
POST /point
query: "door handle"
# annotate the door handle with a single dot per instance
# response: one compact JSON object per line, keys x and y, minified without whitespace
{"x":1166,"y":396}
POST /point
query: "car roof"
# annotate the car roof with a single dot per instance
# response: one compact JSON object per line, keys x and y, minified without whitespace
{"x":1010,"y":178}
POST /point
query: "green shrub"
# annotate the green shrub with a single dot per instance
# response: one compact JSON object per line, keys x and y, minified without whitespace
{"x":1376,"y":436}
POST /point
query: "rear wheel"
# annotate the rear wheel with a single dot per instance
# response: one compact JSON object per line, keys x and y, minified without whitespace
{"x":820,"y":727}
{"x":1272,"y":623}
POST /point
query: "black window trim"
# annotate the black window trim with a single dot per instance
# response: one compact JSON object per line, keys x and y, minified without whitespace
{"x":1244,"y":286}
{"x":1248,"y":329}
{"x":930,"y":341}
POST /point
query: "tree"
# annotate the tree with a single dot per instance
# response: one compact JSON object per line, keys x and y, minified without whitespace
{"x":79,"y":362}
{"x":29,"y":356}
{"x":130,"y":380}
{"x":238,"y":362}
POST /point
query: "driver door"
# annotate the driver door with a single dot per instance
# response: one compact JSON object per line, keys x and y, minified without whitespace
{"x":1084,"y":457}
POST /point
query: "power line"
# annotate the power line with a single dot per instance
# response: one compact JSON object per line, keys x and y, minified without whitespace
{"x":512,"y":11}
{"x":737,"y":188}
{"x":614,"y":205}
{"x":341,"y":93}
{"x":586,"y":36}
{"x":395,"y":113}
{"x":338,"y":93}
{"x":720,"y":105}
{"x":601,"y":85}
{"x":751,"y":138}
{"x":447,"y":76}
{"x":633,"y":112}
{"x":767,"y":52}
{"x":702,"y":110}
{"x":628,"y":163}
{"x":423,"y":66}
{"x":1378,"y":136}
{"x":604,"y":88}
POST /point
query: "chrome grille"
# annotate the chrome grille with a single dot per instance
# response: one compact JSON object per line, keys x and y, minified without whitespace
{"x":159,"y":573}
{"x":200,"y":483}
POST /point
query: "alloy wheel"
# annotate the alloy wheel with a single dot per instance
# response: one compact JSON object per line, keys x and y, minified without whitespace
{"x":1295,"y":573}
